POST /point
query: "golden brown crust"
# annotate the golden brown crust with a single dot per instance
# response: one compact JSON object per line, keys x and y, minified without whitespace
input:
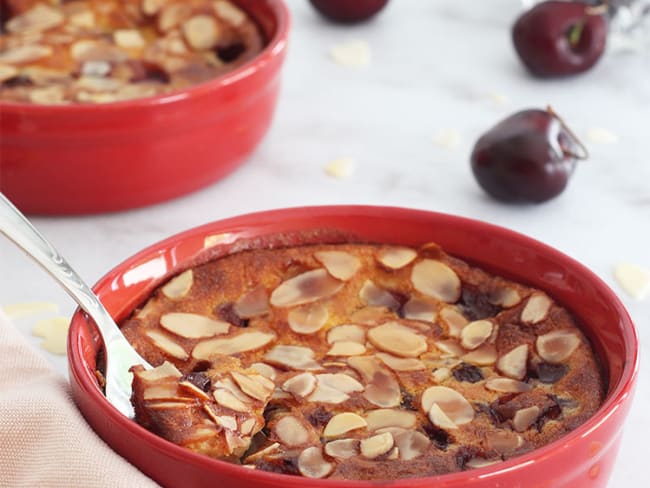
{"x":385,"y":361}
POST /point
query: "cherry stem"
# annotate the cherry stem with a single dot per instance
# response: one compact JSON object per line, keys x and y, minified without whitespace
{"x":575,"y":33}
{"x":584,"y":152}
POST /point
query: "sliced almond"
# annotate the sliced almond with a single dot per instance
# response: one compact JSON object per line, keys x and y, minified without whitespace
{"x":419,"y":309}
{"x":265,"y":370}
{"x":179,"y":286}
{"x":340,"y":381}
{"x":24,"y":54}
{"x":513,"y":363}
{"x":52,"y":95}
{"x":247,"y":426}
{"x":201,"y":32}
{"x":151,"y":7}
{"x":450,"y":347}
{"x":484,"y":355}
{"x":411,"y":444}
{"x":343,"y":423}
{"x":291,"y":432}
{"x":397,"y":339}
{"x":557,"y":346}
{"x":300,"y":385}
{"x":400,"y":364}
{"x":504,"y":441}
{"x":346,"y":348}
{"x":227,"y":400}
{"x":347,"y":333}
{"x":475,"y":333}
{"x":536,"y":308}
{"x":7,"y":72}
{"x":311,"y":463}
{"x":128,"y":38}
{"x":525,"y":417}
{"x":84,"y":19}
{"x":396,"y":257}
{"x":388,"y":417}
{"x":96,"y":50}
{"x":308,"y":319}
{"x":478,"y":462}
{"x":228,"y":12}
{"x":451,"y":403}
{"x":340,"y":264}
{"x":252,"y":304}
{"x":194,"y":390}
{"x":166,"y":344}
{"x":39,"y":18}
{"x":305,"y":288}
{"x":167,"y":405}
{"x":172,"y":15}
{"x":268,"y":450}
{"x":255,"y":386}
{"x":193,"y":326}
{"x":438,"y":417}
{"x":165,"y":370}
{"x":95,"y":68}
{"x":370,"y":315}
{"x":376,"y":445}
{"x":441,"y":374}
{"x":454,"y":320}
{"x":507,"y":385}
{"x":505,"y":297}
{"x":245,"y":341}
{"x":383,"y":389}
{"x":224,"y":421}
{"x":164,"y":391}
{"x":375,"y":296}
{"x":436,"y":279}
{"x":294,"y":357}
{"x":342,"y":448}
{"x":228,"y":383}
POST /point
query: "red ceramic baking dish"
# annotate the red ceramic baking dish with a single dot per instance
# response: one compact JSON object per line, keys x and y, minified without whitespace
{"x":582,"y":458}
{"x":74,"y":159}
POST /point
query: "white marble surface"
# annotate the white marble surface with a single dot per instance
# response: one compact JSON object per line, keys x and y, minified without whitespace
{"x":447,"y":64}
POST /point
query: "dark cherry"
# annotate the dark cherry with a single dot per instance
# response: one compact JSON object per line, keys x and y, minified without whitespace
{"x":527,"y":157}
{"x":559,"y":38}
{"x":348,"y":11}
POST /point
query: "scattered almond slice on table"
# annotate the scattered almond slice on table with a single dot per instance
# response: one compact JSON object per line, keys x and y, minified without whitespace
{"x":54,"y":332}
{"x":601,"y":135}
{"x":634,"y":279}
{"x":354,"y":53}
{"x":340,"y":168}
{"x":447,"y":138}
{"x":26,"y":309}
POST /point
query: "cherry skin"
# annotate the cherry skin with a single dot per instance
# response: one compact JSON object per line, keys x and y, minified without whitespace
{"x":560,"y":38}
{"x":348,"y":11}
{"x":527,"y":157}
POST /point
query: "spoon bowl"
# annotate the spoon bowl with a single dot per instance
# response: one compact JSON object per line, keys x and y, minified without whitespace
{"x":120,"y":355}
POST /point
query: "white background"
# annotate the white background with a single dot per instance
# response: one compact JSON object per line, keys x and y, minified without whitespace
{"x":436,"y":65}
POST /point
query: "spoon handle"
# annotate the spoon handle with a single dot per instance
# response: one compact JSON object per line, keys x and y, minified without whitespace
{"x":18,"y":229}
{"x":120,"y":354}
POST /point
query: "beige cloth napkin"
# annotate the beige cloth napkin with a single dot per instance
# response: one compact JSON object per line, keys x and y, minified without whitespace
{"x":44,"y":440}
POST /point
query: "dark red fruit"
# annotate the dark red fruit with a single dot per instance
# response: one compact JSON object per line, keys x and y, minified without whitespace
{"x":559,"y":38}
{"x":348,"y":11}
{"x":527,"y":157}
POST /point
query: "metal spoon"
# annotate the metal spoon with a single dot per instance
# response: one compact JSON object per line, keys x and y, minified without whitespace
{"x":120,"y":355}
